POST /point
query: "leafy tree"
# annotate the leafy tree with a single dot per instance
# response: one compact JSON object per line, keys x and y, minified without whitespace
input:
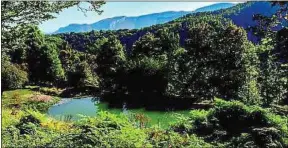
{"x":213,"y":62}
{"x":16,"y":16}
{"x":273,"y":78}
{"x":34,"y":41}
{"x":96,"y":46}
{"x":79,"y":67}
{"x":81,"y":75}
{"x":110,"y":59}
{"x":249,"y":92}
{"x":34,"y":12}
{"x":42,"y":58}
{"x":170,"y":45}
{"x":146,"y":46}
{"x":52,"y":64}
{"x":145,"y":75}
{"x":281,"y":54}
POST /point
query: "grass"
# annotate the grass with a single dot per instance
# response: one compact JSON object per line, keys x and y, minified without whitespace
{"x":21,"y":97}
{"x":10,"y":97}
{"x":15,"y":104}
{"x":19,"y":103}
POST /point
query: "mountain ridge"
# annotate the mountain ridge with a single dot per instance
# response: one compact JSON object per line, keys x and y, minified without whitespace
{"x":241,"y":15}
{"x":137,"y":22}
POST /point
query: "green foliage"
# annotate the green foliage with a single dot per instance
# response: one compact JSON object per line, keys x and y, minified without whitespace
{"x":29,"y":13}
{"x":162,"y":138}
{"x":237,"y":125}
{"x":12,"y":76}
{"x":41,"y":106}
{"x":42,"y":58}
{"x":79,"y":68}
{"x":212,"y":58}
{"x":105,"y":130}
{"x":34,"y":41}
{"x":147,"y":45}
{"x":249,"y":92}
{"x":111,"y":56}
{"x":110,"y":59}
{"x":145,"y":75}
{"x":95,"y":48}
{"x":213,"y":62}
{"x":50,"y":91}
{"x":54,"y":72}
{"x":81,"y":75}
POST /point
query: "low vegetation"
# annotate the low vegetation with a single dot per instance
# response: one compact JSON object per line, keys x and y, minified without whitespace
{"x":227,"y":124}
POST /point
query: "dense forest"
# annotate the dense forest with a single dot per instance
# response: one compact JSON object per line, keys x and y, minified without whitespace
{"x":233,"y":60}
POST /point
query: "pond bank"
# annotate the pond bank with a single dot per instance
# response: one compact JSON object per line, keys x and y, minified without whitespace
{"x":90,"y":107}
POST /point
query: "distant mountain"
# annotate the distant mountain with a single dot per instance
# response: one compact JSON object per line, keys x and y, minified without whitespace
{"x":241,"y":15}
{"x":124,"y":22}
{"x":214,"y":7}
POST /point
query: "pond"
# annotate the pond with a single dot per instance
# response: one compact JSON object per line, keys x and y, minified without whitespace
{"x":74,"y":108}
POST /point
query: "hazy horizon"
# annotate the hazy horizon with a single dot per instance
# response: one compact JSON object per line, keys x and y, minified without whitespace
{"x":114,"y":9}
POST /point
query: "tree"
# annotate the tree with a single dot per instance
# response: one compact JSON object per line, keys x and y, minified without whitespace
{"x":281,"y":54}
{"x":53,"y":68}
{"x":212,"y":62}
{"x":273,"y":79}
{"x":81,"y":75}
{"x":110,"y":59}
{"x":79,"y":67}
{"x":170,"y":46}
{"x":146,"y":76}
{"x":16,"y":16}
{"x":111,"y":56}
{"x":96,"y":46}
{"x":250,"y":90}
{"x":19,"y":13}
{"x":34,"y":41}
{"x":42,"y":58}
{"x":146,"y":46}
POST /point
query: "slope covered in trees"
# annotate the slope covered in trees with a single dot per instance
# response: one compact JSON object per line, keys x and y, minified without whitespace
{"x":241,"y":15}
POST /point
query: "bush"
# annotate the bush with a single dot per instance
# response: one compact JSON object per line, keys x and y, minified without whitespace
{"x":238,"y":125}
{"x":40,"y":102}
{"x":166,"y":138}
{"x":50,"y":91}
{"x":105,"y":130}
{"x":10,"y":117}
{"x":12,"y":76}
{"x":41,"y":98}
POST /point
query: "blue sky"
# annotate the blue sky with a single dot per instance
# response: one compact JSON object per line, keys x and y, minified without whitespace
{"x":112,"y":9}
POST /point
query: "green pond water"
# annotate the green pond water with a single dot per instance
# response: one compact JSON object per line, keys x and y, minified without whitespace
{"x":89,"y":107}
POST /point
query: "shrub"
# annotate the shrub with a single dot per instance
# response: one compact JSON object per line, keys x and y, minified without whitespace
{"x":239,"y":125}
{"x":105,"y":130}
{"x":40,"y":102}
{"x":16,"y":100}
{"x":28,"y":124}
{"x":50,"y":91}
{"x":12,"y":77}
{"x":41,"y":98}
{"x":166,"y":138}
{"x":10,"y":117}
